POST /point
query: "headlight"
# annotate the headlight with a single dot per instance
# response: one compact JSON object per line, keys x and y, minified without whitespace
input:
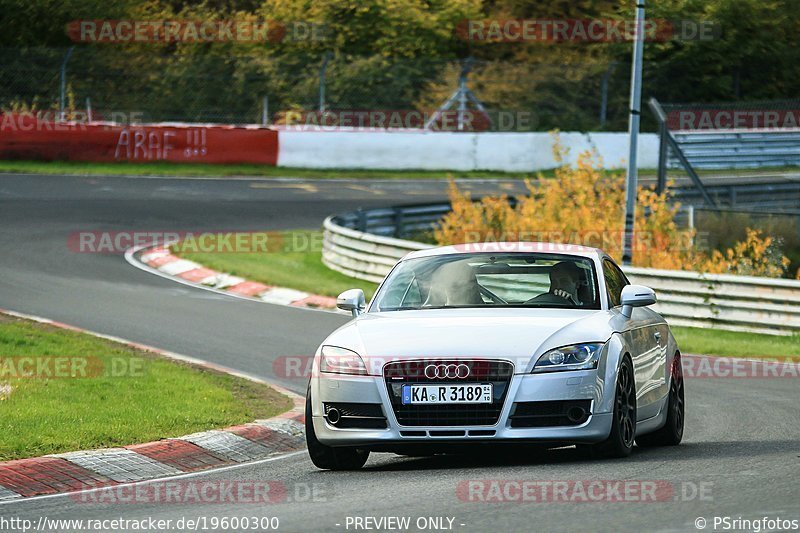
{"x":573,"y":357}
{"x":336,"y":360}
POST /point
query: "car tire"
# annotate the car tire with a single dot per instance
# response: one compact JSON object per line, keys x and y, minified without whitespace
{"x":672,"y":432}
{"x":623,"y":426}
{"x":329,"y":457}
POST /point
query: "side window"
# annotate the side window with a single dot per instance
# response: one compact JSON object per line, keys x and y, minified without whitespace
{"x":615,"y":281}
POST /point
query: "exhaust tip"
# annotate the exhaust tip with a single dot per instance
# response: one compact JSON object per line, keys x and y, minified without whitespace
{"x":333,"y":415}
{"x":576,"y":414}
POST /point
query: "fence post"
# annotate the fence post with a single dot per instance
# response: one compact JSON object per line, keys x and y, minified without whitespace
{"x":63,"y":96}
{"x":604,"y":93}
{"x":322,"y":72}
{"x":265,"y":111}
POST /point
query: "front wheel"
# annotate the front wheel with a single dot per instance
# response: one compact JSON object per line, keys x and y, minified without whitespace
{"x":623,"y":427}
{"x":672,"y":432}
{"x":328,"y":457}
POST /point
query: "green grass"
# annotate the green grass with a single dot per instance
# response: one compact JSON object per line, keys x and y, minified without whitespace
{"x":151,"y":399}
{"x":216,"y":171}
{"x":302,"y":270}
{"x":212,"y":171}
{"x":736,"y":344}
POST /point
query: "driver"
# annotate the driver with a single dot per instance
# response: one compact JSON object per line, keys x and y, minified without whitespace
{"x":564,"y":282}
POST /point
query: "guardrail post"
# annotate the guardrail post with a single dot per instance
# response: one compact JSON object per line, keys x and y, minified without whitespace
{"x":398,"y":222}
{"x":362,"y":220}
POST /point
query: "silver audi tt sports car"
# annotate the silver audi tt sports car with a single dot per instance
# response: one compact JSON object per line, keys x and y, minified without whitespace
{"x":491,"y":344}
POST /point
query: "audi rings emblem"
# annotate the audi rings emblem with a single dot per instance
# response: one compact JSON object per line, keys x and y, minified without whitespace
{"x":447,"y":371}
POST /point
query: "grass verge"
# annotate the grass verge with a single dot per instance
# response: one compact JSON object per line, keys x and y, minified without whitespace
{"x":162,"y":168}
{"x":214,"y":171}
{"x":94,"y":393}
{"x":303,"y":270}
{"x":736,"y":344}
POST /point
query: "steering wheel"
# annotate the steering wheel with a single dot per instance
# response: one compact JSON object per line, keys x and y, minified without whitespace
{"x":566,"y":300}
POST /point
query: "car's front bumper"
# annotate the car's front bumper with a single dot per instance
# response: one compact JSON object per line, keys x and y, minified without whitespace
{"x":577,"y":385}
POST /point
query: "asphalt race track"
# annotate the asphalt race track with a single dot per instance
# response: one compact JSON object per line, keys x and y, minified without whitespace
{"x":740,"y":457}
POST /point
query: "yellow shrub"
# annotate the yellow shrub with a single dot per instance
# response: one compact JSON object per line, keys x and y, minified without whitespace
{"x":755,"y":256}
{"x":585,"y":205}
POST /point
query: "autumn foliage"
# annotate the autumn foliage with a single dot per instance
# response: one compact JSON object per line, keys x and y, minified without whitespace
{"x":585,"y":205}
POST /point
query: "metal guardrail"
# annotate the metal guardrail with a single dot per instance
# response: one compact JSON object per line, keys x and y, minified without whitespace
{"x":407,"y":222}
{"x":718,"y":149}
{"x":398,"y":222}
{"x":360,"y":254}
{"x":723,"y":301}
{"x":777,"y":197}
{"x":364,"y":245}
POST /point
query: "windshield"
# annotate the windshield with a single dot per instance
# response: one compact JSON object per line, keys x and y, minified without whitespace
{"x":490,"y":280}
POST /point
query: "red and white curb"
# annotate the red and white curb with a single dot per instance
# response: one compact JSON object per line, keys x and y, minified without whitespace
{"x":160,"y":261}
{"x":86,"y":470}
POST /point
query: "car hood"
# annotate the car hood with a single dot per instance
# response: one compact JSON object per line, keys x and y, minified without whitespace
{"x":516,"y":334}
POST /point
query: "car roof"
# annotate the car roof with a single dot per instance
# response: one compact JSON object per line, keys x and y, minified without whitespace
{"x":509,"y":247}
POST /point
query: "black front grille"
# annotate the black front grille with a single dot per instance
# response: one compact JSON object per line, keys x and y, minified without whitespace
{"x":498,"y":373}
{"x":357,"y":415}
{"x":447,"y":433}
{"x":550,"y":414}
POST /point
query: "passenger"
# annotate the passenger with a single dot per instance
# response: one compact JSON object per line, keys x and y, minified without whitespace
{"x":454,"y":284}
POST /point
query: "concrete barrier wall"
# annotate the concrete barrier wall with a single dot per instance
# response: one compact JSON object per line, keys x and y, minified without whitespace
{"x":23,"y":136}
{"x":407,"y":149}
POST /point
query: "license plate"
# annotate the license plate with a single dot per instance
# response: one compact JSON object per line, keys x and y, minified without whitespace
{"x":433,"y":394}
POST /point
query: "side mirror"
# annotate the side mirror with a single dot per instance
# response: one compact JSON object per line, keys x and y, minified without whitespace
{"x":636,"y":296}
{"x":352,"y":300}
